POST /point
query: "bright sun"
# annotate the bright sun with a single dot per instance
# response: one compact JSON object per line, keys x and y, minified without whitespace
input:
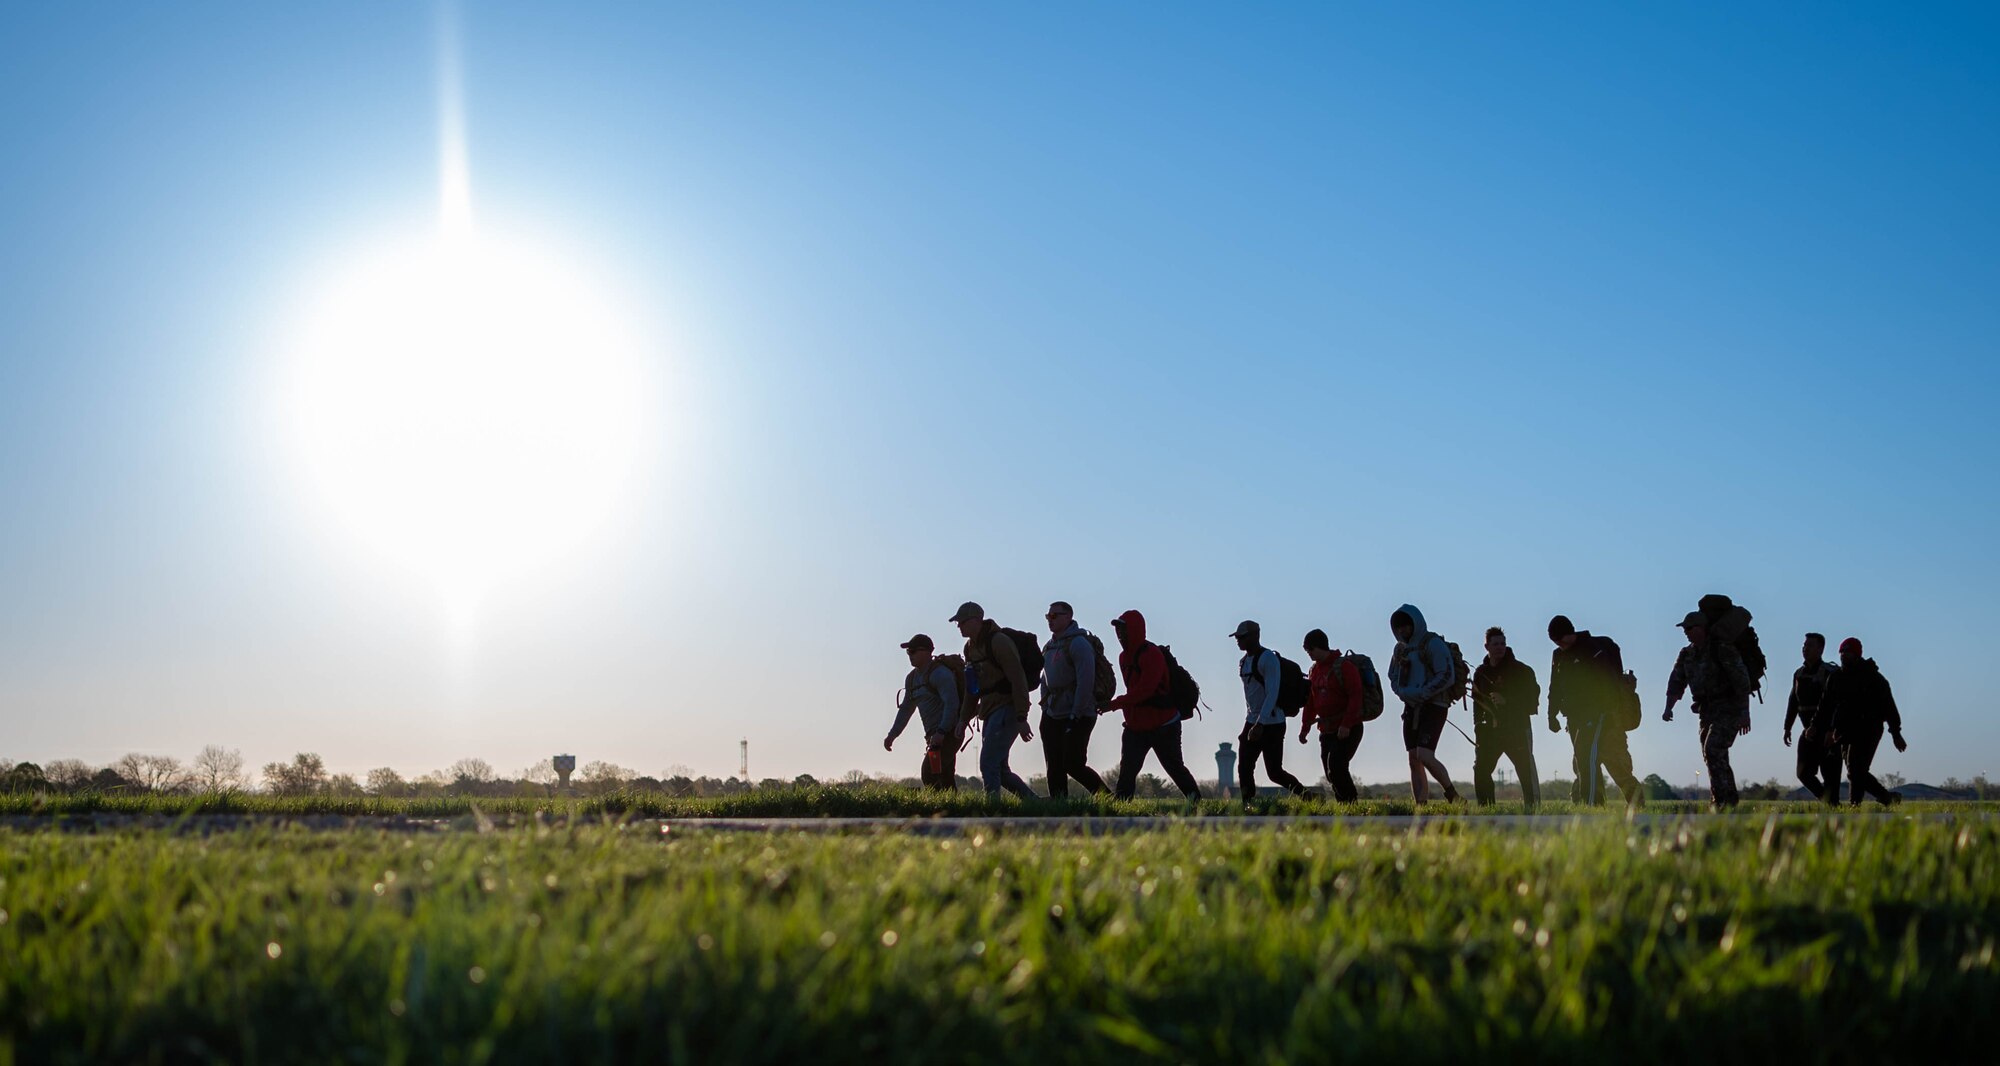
{"x":466,"y":405}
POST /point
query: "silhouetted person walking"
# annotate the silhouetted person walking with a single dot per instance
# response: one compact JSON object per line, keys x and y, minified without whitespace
{"x":1152,"y":722}
{"x":1334,"y":700}
{"x":1421,"y":674}
{"x":1505,"y":696}
{"x":1263,"y":733}
{"x":1860,"y":702}
{"x":999,"y":679}
{"x":1069,"y":702}
{"x":1585,"y":676}
{"x":931,"y":692}
{"x":1818,"y":756}
{"x":1721,"y":683}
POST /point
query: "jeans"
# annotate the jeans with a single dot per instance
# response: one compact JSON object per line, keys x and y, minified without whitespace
{"x":1164,"y":741}
{"x":1514,"y":738}
{"x":1335,"y":755}
{"x":1066,"y":747}
{"x":996,"y":740}
{"x":1267,"y":741}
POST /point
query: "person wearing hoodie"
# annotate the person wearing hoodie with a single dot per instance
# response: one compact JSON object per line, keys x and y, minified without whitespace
{"x":1069,"y":704}
{"x":1505,"y":695}
{"x":1420,"y":674}
{"x":1585,"y":676}
{"x":1714,"y":670}
{"x":931,"y":692}
{"x":1152,"y":723}
{"x":993,"y":670}
{"x":1334,"y":700}
{"x":1263,"y":733}
{"x":1860,"y":703}
{"x":1819,"y":759}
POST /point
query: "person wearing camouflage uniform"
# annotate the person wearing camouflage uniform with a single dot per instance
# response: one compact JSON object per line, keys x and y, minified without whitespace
{"x":1714,"y":670}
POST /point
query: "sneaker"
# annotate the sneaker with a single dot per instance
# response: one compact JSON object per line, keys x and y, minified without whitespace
{"x":1895,"y":798}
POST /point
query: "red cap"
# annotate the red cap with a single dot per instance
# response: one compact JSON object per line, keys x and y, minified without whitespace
{"x":1851,"y":644}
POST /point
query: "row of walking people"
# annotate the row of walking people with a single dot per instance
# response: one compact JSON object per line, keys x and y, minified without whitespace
{"x":1589,"y":690}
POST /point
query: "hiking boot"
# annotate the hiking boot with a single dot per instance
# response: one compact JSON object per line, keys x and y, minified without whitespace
{"x":1451,"y":795}
{"x":1895,"y":798}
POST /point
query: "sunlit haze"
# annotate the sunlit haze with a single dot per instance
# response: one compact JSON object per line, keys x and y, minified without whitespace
{"x":631,"y":385}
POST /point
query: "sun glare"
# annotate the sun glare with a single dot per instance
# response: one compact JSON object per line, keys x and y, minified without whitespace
{"x":467,"y":406}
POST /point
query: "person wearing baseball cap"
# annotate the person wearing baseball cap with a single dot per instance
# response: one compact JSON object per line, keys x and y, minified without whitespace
{"x":1714,"y":670}
{"x":1860,"y":703}
{"x":998,"y":678}
{"x":931,"y":691}
{"x":1263,"y":733}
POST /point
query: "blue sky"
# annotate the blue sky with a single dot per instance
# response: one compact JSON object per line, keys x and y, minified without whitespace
{"x":1292,"y":313}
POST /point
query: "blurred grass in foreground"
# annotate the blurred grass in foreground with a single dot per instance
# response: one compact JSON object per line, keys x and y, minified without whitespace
{"x":1736,"y":939}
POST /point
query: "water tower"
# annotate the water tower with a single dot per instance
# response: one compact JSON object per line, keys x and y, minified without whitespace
{"x":565,"y":765}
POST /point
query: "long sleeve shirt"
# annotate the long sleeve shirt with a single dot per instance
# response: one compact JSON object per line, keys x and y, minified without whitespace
{"x":1333,"y":695}
{"x":1147,"y":688}
{"x":1716,"y":673}
{"x":1260,"y":687}
{"x":933,"y":696}
{"x":1069,"y":675}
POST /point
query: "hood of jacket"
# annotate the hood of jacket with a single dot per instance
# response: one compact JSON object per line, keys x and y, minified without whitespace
{"x":1416,"y":618}
{"x":1133,"y":632}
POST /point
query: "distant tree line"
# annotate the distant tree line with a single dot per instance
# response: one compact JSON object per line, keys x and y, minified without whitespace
{"x":217,"y":769}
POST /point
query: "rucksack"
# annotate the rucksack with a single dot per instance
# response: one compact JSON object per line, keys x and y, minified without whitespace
{"x":1461,"y":674}
{"x":1731,"y":624}
{"x":1030,"y":651}
{"x":954,"y":665}
{"x":1183,"y":694}
{"x":1630,"y":711}
{"x":1371,"y":686}
{"x":1104,"y":683}
{"x":1292,"y":686}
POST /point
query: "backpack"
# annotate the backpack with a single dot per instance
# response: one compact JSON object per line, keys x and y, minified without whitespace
{"x":1630,"y":711}
{"x":1105,"y":682}
{"x":1030,"y":651}
{"x":1371,"y":685}
{"x":955,"y":665}
{"x":1292,"y":686}
{"x":1731,"y":623}
{"x":1461,"y":674}
{"x":1183,"y":694}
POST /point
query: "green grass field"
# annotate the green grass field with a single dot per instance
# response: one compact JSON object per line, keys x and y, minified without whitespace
{"x":816,"y":802}
{"x":1735,"y":939}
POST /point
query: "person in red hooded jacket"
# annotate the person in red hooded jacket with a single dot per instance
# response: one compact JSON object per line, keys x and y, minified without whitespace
{"x":1152,"y":724}
{"x":1334,"y":701}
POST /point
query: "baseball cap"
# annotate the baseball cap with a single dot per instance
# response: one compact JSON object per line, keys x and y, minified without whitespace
{"x":1247,"y":628}
{"x":919,"y":641}
{"x":967,"y":611}
{"x":1693,"y":619}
